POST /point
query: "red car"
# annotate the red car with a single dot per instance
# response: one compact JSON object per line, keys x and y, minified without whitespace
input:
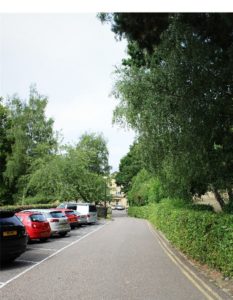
{"x":71,"y":215}
{"x":36,"y":225}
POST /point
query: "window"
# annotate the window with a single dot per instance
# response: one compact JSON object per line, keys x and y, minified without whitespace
{"x":37,"y":218}
{"x":68,"y":213}
{"x":92,"y":208}
{"x":74,"y":207}
{"x":57,"y":214}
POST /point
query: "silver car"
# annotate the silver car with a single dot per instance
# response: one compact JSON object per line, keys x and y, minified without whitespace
{"x":57,"y":220}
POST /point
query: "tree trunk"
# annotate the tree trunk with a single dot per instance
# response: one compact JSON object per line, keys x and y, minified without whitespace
{"x":219,"y":198}
{"x":230,"y":195}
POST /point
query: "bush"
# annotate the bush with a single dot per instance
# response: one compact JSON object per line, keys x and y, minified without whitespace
{"x":17,"y":208}
{"x":145,"y":189}
{"x":203,"y":235}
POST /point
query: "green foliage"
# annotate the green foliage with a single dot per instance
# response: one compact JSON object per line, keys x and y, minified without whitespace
{"x":129,"y":166}
{"x":5,"y":146}
{"x":145,"y":189}
{"x":75,"y":175}
{"x":96,"y":147}
{"x":205,"y":236}
{"x":180,"y":101}
{"x":29,"y":136}
{"x":32,"y":171}
{"x":17,"y":208}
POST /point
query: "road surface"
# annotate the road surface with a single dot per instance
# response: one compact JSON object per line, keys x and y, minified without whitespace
{"x":120,"y":259}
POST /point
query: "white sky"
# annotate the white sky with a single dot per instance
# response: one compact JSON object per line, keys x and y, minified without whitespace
{"x":71,"y":58}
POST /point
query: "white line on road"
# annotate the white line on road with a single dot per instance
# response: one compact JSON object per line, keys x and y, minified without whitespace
{"x":51,"y":255}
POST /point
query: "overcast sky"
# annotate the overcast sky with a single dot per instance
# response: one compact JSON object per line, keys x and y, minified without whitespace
{"x":71,"y":58}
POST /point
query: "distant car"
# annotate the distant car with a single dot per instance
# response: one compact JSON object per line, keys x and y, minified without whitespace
{"x":119,"y":207}
{"x":86,"y":210}
{"x":71,"y":215}
{"x":57,"y":220}
{"x":13,"y":237}
{"x":36,"y":225}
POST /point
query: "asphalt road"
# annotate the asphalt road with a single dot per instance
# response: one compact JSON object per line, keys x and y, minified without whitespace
{"x":119,"y":259}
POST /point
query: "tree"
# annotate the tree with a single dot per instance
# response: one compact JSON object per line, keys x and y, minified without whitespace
{"x":180,"y":100}
{"x":94,"y":145}
{"x":31,"y":137}
{"x":77,"y":174}
{"x":4,"y":151}
{"x":129,"y":166}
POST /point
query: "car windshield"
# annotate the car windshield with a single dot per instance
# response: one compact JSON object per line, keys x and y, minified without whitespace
{"x":57,"y":214}
{"x":37,"y":218}
{"x":70,"y":206}
{"x":5,"y":221}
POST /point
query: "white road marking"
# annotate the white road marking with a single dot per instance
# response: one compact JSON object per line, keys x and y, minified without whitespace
{"x":51,"y":255}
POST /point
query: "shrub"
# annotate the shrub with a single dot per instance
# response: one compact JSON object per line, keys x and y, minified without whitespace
{"x":17,"y":208}
{"x":145,"y":189}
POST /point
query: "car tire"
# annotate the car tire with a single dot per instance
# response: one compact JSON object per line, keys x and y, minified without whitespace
{"x":63,"y":234}
{"x":43,"y":240}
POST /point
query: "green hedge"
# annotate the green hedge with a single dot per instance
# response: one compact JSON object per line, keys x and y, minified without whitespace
{"x":17,"y":208}
{"x":201,"y":234}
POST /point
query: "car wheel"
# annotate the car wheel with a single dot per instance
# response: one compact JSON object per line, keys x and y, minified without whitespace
{"x":43,"y":240}
{"x":62,"y":233}
{"x":29,"y":240}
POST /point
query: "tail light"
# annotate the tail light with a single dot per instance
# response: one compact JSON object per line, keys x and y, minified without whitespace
{"x":54,"y":220}
{"x":34,"y":226}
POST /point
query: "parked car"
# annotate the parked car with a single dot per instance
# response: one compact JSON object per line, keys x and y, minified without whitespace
{"x":13,"y":237}
{"x":57,"y":220}
{"x":119,"y":207}
{"x":86,"y":210}
{"x":71,"y":215}
{"x":36,"y":225}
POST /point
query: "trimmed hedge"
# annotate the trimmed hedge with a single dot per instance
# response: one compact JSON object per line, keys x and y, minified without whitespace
{"x":17,"y":208}
{"x":203,"y":235}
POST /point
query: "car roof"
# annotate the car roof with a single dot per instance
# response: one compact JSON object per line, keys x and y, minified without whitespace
{"x":27,"y":212}
{"x":6,"y":213}
{"x":43,"y":210}
{"x":63,"y":209}
{"x":79,"y":203}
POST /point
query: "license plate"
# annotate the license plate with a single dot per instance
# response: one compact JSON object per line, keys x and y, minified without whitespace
{"x":43,"y":234}
{"x":9,"y":233}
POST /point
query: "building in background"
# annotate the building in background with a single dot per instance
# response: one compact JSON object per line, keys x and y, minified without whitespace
{"x":118,"y":197}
